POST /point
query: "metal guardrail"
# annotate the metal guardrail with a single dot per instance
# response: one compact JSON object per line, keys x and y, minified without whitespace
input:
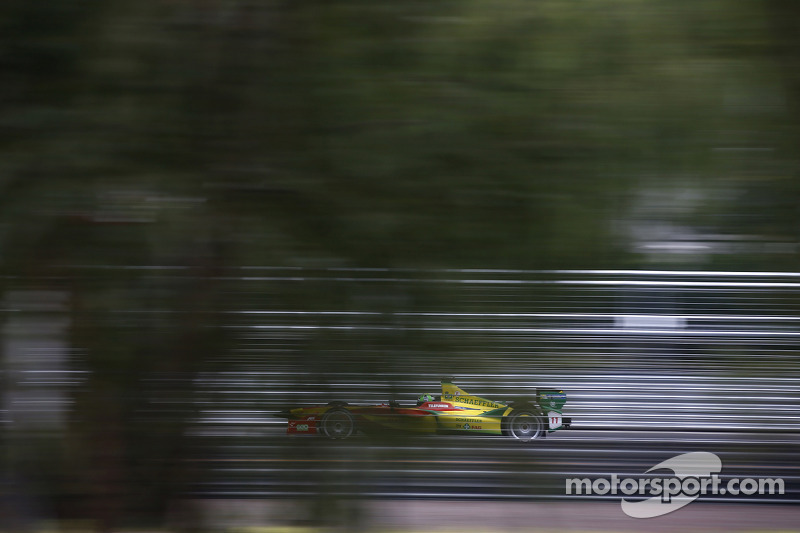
{"x":653,"y":362}
{"x":634,"y":349}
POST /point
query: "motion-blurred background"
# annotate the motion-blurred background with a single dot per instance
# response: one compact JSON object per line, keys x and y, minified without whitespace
{"x":211,"y":210}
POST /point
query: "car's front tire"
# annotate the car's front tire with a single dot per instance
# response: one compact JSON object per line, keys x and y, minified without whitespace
{"x":525,"y":425}
{"x":338,"y":424}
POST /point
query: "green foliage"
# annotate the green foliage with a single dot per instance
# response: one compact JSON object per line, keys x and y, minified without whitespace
{"x":379,"y":133}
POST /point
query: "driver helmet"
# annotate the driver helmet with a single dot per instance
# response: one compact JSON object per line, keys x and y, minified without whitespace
{"x":425,"y":398}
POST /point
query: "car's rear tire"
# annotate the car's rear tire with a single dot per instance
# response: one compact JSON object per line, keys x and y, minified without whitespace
{"x":525,"y":425}
{"x":338,"y":424}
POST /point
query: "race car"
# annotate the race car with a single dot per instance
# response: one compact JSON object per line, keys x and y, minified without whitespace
{"x":454,"y":412}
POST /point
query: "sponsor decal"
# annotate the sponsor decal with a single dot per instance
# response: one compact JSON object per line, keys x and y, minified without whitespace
{"x":547,"y":396}
{"x":473,"y":401}
{"x":466,"y":426}
{"x":468,"y":419}
{"x":438,"y":405}
{"x":301,"y":426}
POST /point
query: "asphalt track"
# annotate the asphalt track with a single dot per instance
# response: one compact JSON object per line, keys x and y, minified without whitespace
{"x":269,"y":464}
{"x":417,"y":516}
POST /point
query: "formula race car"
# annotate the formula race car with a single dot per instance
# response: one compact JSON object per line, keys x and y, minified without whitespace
{"x":454,"y":412}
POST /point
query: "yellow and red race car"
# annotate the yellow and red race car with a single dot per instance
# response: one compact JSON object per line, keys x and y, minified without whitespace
{"x":454,"y":412}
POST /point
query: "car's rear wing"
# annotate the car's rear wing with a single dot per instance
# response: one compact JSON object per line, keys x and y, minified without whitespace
{"x":551,"y":398}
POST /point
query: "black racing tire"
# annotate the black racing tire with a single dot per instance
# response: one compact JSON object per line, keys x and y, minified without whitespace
{"x":525,"y":425}
{"x":337,"y":424}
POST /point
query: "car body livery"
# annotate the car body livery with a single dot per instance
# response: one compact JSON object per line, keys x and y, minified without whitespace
{"x":454,"y":412}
